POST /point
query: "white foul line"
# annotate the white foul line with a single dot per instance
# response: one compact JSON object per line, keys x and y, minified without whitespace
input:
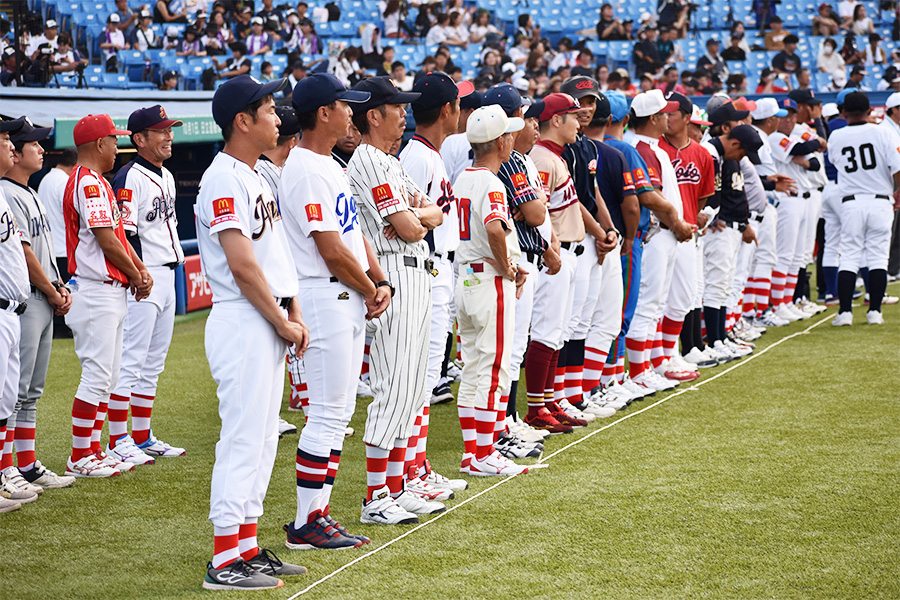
{"x":546,"y":458}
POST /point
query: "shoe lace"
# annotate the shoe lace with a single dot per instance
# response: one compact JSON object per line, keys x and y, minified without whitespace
{"x":240,"y":567}
{"x":271,"y":560}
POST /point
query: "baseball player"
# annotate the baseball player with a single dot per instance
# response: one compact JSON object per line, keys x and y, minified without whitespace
{"x":255,"y":315}
{"x":145,"y":190}
{"x":48,"y":296}
{"x":436,"y":112}
{"x":456,"y":151}
{"x":395,"y":215}
{"x":341,"y":284}
{"x":486,"y":287}
{"x":105,"y":268}
{"x":13,"y":295}
{"x":867,"y":159}
{"x":831,"y":211}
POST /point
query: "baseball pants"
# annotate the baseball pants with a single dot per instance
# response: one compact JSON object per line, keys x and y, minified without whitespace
{"x":865,"y":233}
{"x":10,"y":334}
{"x":485,"y":313}
{"x":97,"y":320}
{"x":680,"y":300}
{"x":605,"y":321}
{"x":524,"y":308}
{"x":813,"y":211}
{"x":441,"y":292}
{"x":34,"y":357}
{"x":831,"y":212}
{"x":553,"y":301}
{"x":745,"y":255}
{"x":586,"y":290}
{"x":246,"y":358}
{"x":720,"y":251}
{"x":398,"y":355}
{"x":789,"y":235}
{"x":631,"y":285}
{"x":765,"y":255}
{"x":657,"y":268}
{"x":147,"y":336}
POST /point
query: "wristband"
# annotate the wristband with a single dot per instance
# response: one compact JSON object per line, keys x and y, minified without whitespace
{"x":386,"y":284}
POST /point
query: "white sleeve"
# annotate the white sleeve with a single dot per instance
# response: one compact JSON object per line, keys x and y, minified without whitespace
{"x":890,"y":142}
{"x":781,"y":146}
{"x":310,"y":202}
{"x":223,"y":204}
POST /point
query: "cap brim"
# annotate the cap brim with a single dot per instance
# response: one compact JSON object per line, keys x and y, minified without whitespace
{"x":269,"y":88}
{"x":534,"y":111}
{"x":38,"y":134}
{"x":701,"y":122}
{"x":753,"y":155}
{"x":515,"y":124}
{"x":119,"y":132}
{"x":465,"y":88}
{"x":354,"y":96}
{"x":740,"y":115}
{"x":167,"y":123}
{"x":670,"y":107}
{"x":781,"y":113}
{"x":403,"y":98}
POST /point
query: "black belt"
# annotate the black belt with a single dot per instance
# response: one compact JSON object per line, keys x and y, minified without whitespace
{"x":535,"y":259}
{"x":738,"y":225}
{"x":172,"y":265}
{"x":758,"y":218}
{"x":284,"y":302}
{"x":451,"y":256}
{"x":821,"y":188}
{"x":877,"y":197}
{"x":578,"y":248}
{"x":803,"y":195}
{"x":412,"y":261}
{"x":37,"y":292}
{"x":5,"y":304}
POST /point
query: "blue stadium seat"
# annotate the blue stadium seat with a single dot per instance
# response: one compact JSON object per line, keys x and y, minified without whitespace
{"x":115,"y":80}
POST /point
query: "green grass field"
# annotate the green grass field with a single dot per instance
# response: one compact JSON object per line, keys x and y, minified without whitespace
{"x":780,"y":478}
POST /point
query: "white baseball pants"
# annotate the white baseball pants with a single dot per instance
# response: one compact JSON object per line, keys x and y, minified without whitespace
{"x":553,"y":300}
{"x":10,"y":333}
{"x":34,"y":356}
{"x":441,"y":292}
{"x":586,"y":290}
{"x":866,"y":233}
{"x":789,"y":237}
{"x":681,"y":292}
{"x":719,"y":262}
{"x":657,"y":268}
{"x":831,"y":212}
{"x":524,"y":308}
{"x":765,"y":256}
{"x":606,"y":318}
{"x":813,"y":211}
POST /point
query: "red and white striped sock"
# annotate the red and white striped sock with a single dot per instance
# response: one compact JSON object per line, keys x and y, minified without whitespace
{"x":395,"y":473}
{"x":422,"y":446}
{"x":657,"y":355}
{"x":334,"y":460}
{"x":6,"y":444}
{"x":485,"y":421}
{"x":778,"y":284}
{"x":763,"y":289}
{"x":729,"y":319}
{"x":118,"y":418}
{"x":609,"y":374}
{"x":559,"y":383}
{"x":24,"y":437}
{"x":500,"y":424}
{"x":98,"y":427}
{"x":467,"y":424}
{"x":748,"y":306}
{"x":789,"y":288}
{"x":247,"y":544}
{"x":671,"y":330}
{"x":226,"y":542}
{"x":412,"y":446}
{"x":620,"y":369}
{"x":574,"y":375}
{"x":636,"y":356}
{"x":312,"y":469}
{"x":594,"y":363}
{"x":376,"y":469}
{"x":458,"y":346}
{"x":83,"y":416}
{"x":141,"y":409}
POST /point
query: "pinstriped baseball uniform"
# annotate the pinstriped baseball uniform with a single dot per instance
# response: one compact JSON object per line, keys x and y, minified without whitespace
{"x":399,"y":350}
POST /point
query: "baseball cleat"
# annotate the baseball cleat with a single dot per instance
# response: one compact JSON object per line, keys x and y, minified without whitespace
{"x":285,"y":428}
{"x":426,"y":491}
{"x":317,"y":535}
{"x":14,"y":487}
{"x":14,"y":476}
{"x":651,"y":381}
{"x":885,"y":300}
{"x":512,"y":447}
{"x":454,"y":373}
{"x":768,"y":319}
{"x":638,"y":392}
{"x":785,"y":313}
{"x":238,"y":576}
{"x":7,"y":505}
{"x":111,"y":461}
{"x":156,"y":447}
{"x":842,"y":318}
{"x":564,"y":418}
{"x":608,"y":398}
{"x":267,"y":563}
{"x":545,"y":420}
{"x":341,"y":528}
{"x":575,"y":413}
{"x":494,"y":465}
{"x":874,"y":317}
{"x":600,"y":411}
{"x":384,"y":510}
{"x":418,"y":505}
{"x":720,"y":352}
{"x":435,"y":479}
{"x":465,"y":462}
{"x":441,"y":394}
{"x":363,"y":390}
{"x":89,"y":466}
{"x":525,"y":432}
{"x":349,"y":431}
{"x":126,"y":451}
{"x":41,"y":476}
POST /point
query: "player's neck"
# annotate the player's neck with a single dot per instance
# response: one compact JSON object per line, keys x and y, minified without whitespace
{"x":153,"y":161}
{"x":382,"y":142}
{"x":243,"y":149}
{"x":595,"y":133}
{"x":678,"y":140}
{"x":318,"y":144}
{"x":490,"y":162}
{"x":65,"y":169}
{"x":433,"y":133}
{"x":18,"y":175}
{"x":94,"y":163}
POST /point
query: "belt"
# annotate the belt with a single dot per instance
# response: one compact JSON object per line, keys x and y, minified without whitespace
{"x":576,"y":247}
{"x":172,"y":265}
{"x":737,"y":225}
{"x":820,"y":189}
{"x":414,"y":261}
{"x":803,"y":195}
{"x":535,"y":259}
{"x":773,"y":202}
{"x":477,"y":267}
{"x":37,"y":292}
{"x":115,"y":283}
{"x":451,"y":256}
{"x":284,"y":302}
{"x":19,"y":306}
{"x":758,"y":218}
{"x":877,"y":197}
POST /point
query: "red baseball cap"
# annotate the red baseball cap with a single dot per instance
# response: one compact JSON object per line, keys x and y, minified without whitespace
{"x":93,"y":127}
{"x":743,"y":103}
{"x":556,"y":104}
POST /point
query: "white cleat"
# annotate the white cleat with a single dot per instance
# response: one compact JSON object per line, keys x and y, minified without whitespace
{"x":874,"y":317}
{"x":418,"y":505}
{"x":426,"y":491}
{"x":43,"y":477}
{"x":14,"y":487}
{"x":435,"y":479}
{"x":495,"y":465}
{"x":89,"y":466}
{"x":126,"y":451}
{"x":575,"y":413}
{"x":384,"y":510}
{"x":349,"y":431}
{"x":637,"y":392}
{"x":843,"y":318}
{"x":768,"y":319}
{"x":697,"y":357}
{"x":525,"y":431}
{"x":785,"y":313}
{"x":156,"y":447}
{"x":363,"y":390}
{"x":115,"y":463}
{"x":285,"y":427}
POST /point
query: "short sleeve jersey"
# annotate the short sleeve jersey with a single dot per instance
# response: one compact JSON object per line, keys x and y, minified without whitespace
{"x":781,"y":146}
{"x":565,"y":210}
{"x":866,"y":156}
{"x":51,"y":191}
{"x":639,"y":178}
{"x":146,"y":197}
{"x":696,"y":177}
{"x":519,"y":190}
{"x":423,"y":163}
{"x":457,"y":154}
{"x":766,"y":164}
{"x":315,"y":196}
{"x":817,"y":179}
{"x":482,"y":200}
{"x":613,"y":179}
{"x":234,"y":196}
{"x":659,"y":166}
{"x":13,"y":269}
{"x":90,"y":202}
{"x":34,"y":226}
{"x":381,"y":188}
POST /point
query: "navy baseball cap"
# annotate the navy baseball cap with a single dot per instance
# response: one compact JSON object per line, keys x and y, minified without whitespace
{"x":10,"y":125}
{"x":618,"y":105}
{"x":29,"y":133}
{"x":787,"y":104}
{"x":504,"y":94}
{"x":238,"y":93}
{"x":603,"y":109}
{"x":727,"y":112}
{"x":856,"y":102}
{"x":750,"y":141}
{"x":382,"y":90}
{"x":153,"y":117}
{"x":289,"y":123}
{"x":684,"y":105}
{"x":804,"y":97}
{"x":321,"y":89}
{"x":437,"y":89}
{"x":471,"y":101}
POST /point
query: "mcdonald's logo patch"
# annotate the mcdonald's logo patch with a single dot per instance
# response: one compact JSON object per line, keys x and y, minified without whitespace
{"x":519,"y":181}
{"x":545,"y":178}
{"x":223,"y":206}
{"x":124,"y":195}
{"x":496,"y":197}
{"x":92,"y":191}
{"x":784,"y":143}
{"x":629,"y":180}
{"x":313,"y":212}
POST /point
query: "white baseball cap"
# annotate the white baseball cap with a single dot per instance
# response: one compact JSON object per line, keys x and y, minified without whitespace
{"x":892,"y":101}
{"x":767,"y":107}
{"x":488,"y":123}
{"x":829,"y":110}
{"x":839,"y":79}
{"x":652,"y":102}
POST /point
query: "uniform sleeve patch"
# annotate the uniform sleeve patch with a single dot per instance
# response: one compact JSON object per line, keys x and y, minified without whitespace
{"x":98,"y":214}
{"x":92,"y":191}
{"x":784,"y":143}
{"x":223,"y":211}
{"x":519,"y":181}
{"x":384,"y":196}
{"x":496,"y":197}
{"x":124,"y":195}
{"x":629,"y":180}
{"x":806,"y":136}
{"x":545,"y":178}
{"x":313,"y":212}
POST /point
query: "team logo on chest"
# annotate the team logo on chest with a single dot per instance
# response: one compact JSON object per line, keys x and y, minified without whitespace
{"x":163,"y":209}
{"x":7,"y":226}
{"x":686,"y":173}
{"x":345,"y":209}
{"x":445,"y":202}
{"x":266,"y":212}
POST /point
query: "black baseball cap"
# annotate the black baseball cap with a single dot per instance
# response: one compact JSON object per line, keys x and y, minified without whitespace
{"x":289,"y":123}
{"x":856,"y":102}
{"x":684,"y":105}
{"x":170,"y":74}
{"x":505,"y":95}
{"x":238,"y":93}
{"x":29,"y":133}
{"x":437,"y":89}
{"x":321,"y":89}
{"x":153,"y":117}
{"x":750,"y":141}
{"x":727,"y":112}
{"x":603,"y":109}
{"x":804,"y":97}
{"x":382,"y":90}
{"x":580,"y":86}
{"x":10,"y":125}
{"x":790,"y":39}
{"x":472,"y":101}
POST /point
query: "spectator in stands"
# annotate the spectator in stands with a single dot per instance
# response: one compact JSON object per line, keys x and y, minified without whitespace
{"x":669,"y":82}
{"x":838,"y":81}
{"x":8,"y":76}
{"x":269,"y":13}
{"x":738,"y":29}
{"x":829,"y":60}
{"x":144,"y":38}
{"x":201,"y":20}
{"x":171,"y":39}
{"x":774,"y":39}
{"x":665,"y":45}
{"x":111,"y":41}
{"x":645,"y":54}
{"x":563,"y":57}
{"x":846,"y":10}
{"x":309,"y":41}
{"x":786,"y":61}
{"x":482,"y":26}
{"x":455,"y":73}
{"x":712,"y":63}
{"x":614,"y":81}
{"x":242,"y":28}
{"x":827,"y":22}
{"x":387,"y":59}
{"x":190,"y":45}
{"x":585,"y":64}
{"x":170,"y":11}
{"x":193,"y":7}
{"x":519,"y":53}
{"x":874,"y":54}
{"x":458,"y":28}
{"x":266,"y":71}
{"x":258,"y":42}
{"x":442,"y":59}
{"x":298,"y":72}
{"x":169,"y":81}
{"x":51,"y":31}
{"x":861,"y":24}
{"x":625,"y":85}
{"x":490,"y":66}
{"x":218,"y":35}
{"x":803,"y":79}
{"x":857,"y":74}
{"x":347,"y":68}
{"x":400,"y":77}
{"x":675,"y":14}
{"x":302,"y":9}
{"x":851,"y":55}
{"x":127,"y":17}
{"x":770,"y":83}
{"x":890,"y":81}
{"x":734,"y":51}
{"x":765,"y":12}
{"x":67,"y":58}
{"x":527,"y":27}
{"x":602,"y":76}
{"x":393,"y":14}
{"x":610,"y":27}
{"x":426,"y":18}
{"x":239,"y":63}
{"x":736,"y":84}
{"x":692,"y":87}
{"x":535,"y":67}
{"x":645,"y":83}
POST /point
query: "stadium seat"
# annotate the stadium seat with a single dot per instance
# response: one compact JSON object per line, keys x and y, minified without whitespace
{"x":115,"y":80}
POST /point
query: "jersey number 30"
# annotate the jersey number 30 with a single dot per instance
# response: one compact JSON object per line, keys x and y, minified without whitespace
{"x":866,"y":158}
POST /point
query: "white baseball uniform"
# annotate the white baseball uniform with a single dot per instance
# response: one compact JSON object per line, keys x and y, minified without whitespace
{"x":457,"y":153}
{"x":817,"y":180}
{"x":245,"y":354}
{"x":13,"y":293}
{"x":51,"y":191}
{"x":791,"y":207}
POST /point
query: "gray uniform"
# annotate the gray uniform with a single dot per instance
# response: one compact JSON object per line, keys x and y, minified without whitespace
{"x":399,"y":349}
{"x":37,"y":321}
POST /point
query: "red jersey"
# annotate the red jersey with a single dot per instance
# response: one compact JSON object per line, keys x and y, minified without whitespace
{"x":696,"y":175}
